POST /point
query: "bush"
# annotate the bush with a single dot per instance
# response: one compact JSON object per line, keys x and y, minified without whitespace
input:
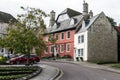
{"x":3,"y":60}
{"x":116,"y":65}
{"x":102,"y":62}
{"x":66,"y":56}
{"x":11,"y":73}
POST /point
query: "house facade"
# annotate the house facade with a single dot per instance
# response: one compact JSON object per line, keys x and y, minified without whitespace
{"x":64,"y":44}
{"x":91,"y":38}
{"x":63,"y":30}
{"x":96,"y":41}
{"x":5,"y":18}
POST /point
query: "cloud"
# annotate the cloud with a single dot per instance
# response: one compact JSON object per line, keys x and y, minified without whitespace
{"x":110,"y":7}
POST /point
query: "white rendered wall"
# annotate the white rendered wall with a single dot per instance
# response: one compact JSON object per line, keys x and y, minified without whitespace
{"x":83,"y":45}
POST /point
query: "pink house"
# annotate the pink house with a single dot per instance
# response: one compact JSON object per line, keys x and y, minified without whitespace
{"x":63,"y":29}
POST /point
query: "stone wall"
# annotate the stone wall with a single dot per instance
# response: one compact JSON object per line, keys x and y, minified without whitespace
{"x":102,"y":41}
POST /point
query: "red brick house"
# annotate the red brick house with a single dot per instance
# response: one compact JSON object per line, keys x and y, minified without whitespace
{"x":63,"y":29}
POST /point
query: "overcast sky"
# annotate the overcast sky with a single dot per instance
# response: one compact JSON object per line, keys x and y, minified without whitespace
{"x":109,"y":7}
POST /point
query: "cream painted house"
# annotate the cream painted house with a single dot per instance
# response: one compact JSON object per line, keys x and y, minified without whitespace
{"x":4,"y":24}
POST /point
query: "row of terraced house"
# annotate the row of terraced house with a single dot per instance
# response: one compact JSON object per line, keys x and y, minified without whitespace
{"x":81,"y":36}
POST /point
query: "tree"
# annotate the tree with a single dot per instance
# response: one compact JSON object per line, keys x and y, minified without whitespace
{"x":23,"y":36}
{"x":111,"y":20}
{"x":53,"y":40}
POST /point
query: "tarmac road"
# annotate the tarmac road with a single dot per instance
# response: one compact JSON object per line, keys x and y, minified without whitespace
{"x":79,"y":72}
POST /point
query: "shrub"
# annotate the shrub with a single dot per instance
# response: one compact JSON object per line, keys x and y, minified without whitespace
{"x":116,"y":65}
{"x":11,"y":73}
{"x":66,"y":56}
{"x":3,"y":60}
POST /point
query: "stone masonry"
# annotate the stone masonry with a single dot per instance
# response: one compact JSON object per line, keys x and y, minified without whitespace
{"x":102,"y":41}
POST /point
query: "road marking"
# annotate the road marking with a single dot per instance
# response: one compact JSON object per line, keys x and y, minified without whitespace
{"x":61,"y":74}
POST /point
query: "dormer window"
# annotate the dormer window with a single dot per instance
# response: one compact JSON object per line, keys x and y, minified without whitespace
{"x":62,"y":17}
{"x":86,"y":22}
{"x":72,"y":22}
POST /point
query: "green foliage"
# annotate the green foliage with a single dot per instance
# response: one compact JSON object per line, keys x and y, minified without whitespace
{"x":3,"y":60}
{"x":116,"y":65}
{"x":11,"y":73}
{"x":111,"y":20}
{"x":26,"y":34}
{"x":52,"y":39}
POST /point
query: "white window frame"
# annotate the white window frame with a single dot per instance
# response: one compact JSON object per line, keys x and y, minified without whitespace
{"x":51,"y":48}
{"x":80,"y":52}
{"x":56,"y":47}
{"x":67,"y":35}
{"x":56,"y":36}
{"x":61,"y":46}
{"x":80,"y":39}
{"x":67,"y":45}
{"x":46,"y":38}
{"x":47,"y":50}
{"x":61,"y":36}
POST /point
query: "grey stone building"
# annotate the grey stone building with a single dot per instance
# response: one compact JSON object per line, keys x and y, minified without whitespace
{"x":95,"y":39}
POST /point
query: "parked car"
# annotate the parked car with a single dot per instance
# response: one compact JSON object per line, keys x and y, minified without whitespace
{"x":23,"y":59}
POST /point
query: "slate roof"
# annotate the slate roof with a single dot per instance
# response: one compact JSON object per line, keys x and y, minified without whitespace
{"x":65,"y":25}
{"x":91,"y":21}
{"x":70,"y":12}
{"x":5,"y":17}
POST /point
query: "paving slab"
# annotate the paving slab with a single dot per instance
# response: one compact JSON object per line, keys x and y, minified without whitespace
{"x":48,"y":73}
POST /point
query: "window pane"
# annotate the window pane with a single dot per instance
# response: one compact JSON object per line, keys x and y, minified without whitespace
{"x":78,"y":52}
{"x":68,"y":34}
{"x":82,"y":39}
{"x":61,"y":48}
{"x":51,"y":49}
{"x":56,"y":36}
{"x":81,"y":52}
{"x":62,"y":35}
{"x":46,"y":38}
{"x":78,"y":39}
{"x":46,"y":49}
{"x":67,"y":47}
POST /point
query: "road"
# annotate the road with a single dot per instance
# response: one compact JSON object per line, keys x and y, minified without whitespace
{"x":79,"y":72}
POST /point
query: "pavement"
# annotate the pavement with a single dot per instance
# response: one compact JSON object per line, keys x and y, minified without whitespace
{"x":92,"y":65}
{"x":48,"y":73}
{"x":51,"y":73}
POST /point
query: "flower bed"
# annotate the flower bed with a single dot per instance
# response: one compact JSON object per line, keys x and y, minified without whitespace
{"x":13,"y":73}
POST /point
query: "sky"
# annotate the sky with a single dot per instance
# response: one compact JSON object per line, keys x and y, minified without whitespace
{"x":110,"y":7}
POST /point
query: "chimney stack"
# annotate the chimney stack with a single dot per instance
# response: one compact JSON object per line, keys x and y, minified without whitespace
{"x":52,"y":18}
{"x":85,"y":10}
{"x":91,"y":14}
